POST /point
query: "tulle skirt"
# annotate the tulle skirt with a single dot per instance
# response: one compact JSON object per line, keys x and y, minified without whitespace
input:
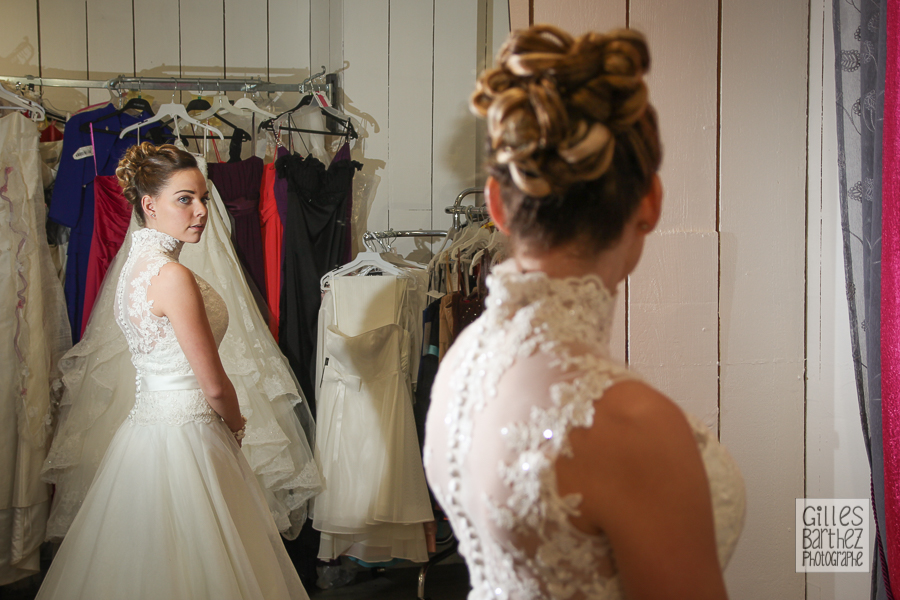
{"x":175,"y":512}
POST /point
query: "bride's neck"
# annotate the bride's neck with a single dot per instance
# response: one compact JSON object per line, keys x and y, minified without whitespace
{"x":572,"y":261}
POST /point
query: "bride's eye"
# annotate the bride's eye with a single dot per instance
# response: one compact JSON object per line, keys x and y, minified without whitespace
{"x":185,"y":199}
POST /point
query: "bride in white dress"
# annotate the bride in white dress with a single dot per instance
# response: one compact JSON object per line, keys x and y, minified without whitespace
{"x":563,"y":475}
{"x":175,"y":510}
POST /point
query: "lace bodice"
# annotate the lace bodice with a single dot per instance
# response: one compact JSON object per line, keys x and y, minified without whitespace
{"x":155,"y":351}
{"x":506,"y":397}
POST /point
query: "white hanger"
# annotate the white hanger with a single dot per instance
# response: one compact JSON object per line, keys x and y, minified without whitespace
{"x":363,"y":259}
{"x":177,"y":112}
{"x":23,"y":104}
{"x":246,"y":103}
{"x":219,"y":104}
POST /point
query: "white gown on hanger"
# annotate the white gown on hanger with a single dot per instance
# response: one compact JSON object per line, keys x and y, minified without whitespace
{"x":175,"y":510}
{"x":35,"y":333}
{"x":375,"y":499}
{"x":99,"y":390}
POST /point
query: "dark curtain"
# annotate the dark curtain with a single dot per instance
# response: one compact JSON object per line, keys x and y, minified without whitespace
{"x":860,"y":51}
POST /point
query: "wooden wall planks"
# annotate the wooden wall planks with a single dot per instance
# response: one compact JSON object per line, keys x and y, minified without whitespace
{"x":672,"y":300}
{"x":410,"y":111}
{"x":579,"y":16}
{"x":455,"y":62}
{"x":19,"y":40}
{"x":365,"y":53}
{"x":64,"y":50}
{"x":761,"y":297}
{"x":110,"y":43}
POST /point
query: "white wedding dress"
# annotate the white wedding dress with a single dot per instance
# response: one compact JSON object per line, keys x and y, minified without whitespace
{"x":175,"y":510}
{"x":99,"y":389}
{"x":508,"y":393}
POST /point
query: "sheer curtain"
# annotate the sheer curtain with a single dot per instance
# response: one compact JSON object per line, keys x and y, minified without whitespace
{"x":860,"y":51}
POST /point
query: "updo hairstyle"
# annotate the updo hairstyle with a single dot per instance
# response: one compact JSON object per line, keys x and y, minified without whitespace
{"x":146,"y":169}
{"x":572,"y":138}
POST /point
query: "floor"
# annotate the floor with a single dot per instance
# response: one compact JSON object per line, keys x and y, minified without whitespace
{"x":446,"y":581}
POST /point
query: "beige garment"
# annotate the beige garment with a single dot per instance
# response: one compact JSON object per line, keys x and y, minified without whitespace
{"x":35,"y":332}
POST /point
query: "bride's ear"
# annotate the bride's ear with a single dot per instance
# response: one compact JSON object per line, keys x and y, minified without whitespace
{"x":148,"y":206}
{"x":495,"y":204}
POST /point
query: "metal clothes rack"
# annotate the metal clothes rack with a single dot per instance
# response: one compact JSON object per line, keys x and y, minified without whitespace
{"x":202,"y":84}
{"x":470,"y":212}
{"x":370,"y":237}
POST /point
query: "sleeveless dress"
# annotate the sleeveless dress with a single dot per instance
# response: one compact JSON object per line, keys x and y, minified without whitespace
{"x":175,"y":510}
{"x":510,"y":390}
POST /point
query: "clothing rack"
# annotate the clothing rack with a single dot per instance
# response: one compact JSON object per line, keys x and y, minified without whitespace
{"x":194,"y":84}
{"x":370,"y":237}
{"x":470,"y":212}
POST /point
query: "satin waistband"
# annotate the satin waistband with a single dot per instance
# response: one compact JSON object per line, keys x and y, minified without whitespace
{"x":169,"y":383}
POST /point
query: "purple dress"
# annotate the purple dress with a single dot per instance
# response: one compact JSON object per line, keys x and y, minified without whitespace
{"x":239,"y":184}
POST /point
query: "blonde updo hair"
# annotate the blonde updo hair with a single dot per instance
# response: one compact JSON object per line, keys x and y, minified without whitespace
{"x":572,"y":137}
{"x":146,"y":169}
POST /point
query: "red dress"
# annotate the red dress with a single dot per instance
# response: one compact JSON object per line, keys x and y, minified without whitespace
{"x":112,"y":214}
{"x":272,"y":235}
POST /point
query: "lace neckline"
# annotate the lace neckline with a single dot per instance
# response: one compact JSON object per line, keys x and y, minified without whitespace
{"x":586,"y":301}
{"x":153,"y":238}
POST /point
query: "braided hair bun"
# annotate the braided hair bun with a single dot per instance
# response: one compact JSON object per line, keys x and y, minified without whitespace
{"x":570,"y":128}
{"x":146,"y":169}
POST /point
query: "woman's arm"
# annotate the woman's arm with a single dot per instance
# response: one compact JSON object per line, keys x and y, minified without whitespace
{"x":643,"y":483}
{"x":175,"y":295}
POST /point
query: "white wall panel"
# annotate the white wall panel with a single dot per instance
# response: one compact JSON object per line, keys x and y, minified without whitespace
{"x":64,"y":51}
{"x":456,"y":55}
{"x":410,"y":115}
{"x":19,"y":39}
{"x":110,"y":43}
{"x":365,"y":42}
{"x":246,"y":39}
{"x":673,"y":320}
{"x":519,"y":12}
{"x":763,"y":210}
{"x":203,"y":38}
{"x":673,"y":312}
{"x":156,"y":39}
{"x":579,"y":16}
{"x":289,"y":40}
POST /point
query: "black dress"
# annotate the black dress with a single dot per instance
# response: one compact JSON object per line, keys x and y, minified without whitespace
{"x":315,"y":239}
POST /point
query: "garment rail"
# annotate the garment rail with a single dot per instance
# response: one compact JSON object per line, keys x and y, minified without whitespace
{"x":370,"y":237}
{"x":202,"y":84}
{"x":470,"y":212}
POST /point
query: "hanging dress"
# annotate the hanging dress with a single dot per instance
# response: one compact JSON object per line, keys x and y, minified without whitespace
{"x":35,"y":333}
{"x":315,"y":240}
{"x":238,"y":184}
{"x":112,"y":214}
{"x":175,"y":510}
{"x":375,"y":499}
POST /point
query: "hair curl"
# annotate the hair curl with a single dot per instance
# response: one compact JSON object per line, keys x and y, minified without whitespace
{"x":572,"y":138}
{"x":146,"y":169}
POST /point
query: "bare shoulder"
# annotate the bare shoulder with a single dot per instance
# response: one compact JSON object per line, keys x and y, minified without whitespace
{"x":172,"y":287}
{"x":639,"y":446}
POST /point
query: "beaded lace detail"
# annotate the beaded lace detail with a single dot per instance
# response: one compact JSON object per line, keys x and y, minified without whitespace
{"x":151,"y":339}
{"x":515,"y":530}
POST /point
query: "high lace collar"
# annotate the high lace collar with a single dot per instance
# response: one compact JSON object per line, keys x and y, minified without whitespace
{"x":576,"y":307}
{"x":153,"y":238}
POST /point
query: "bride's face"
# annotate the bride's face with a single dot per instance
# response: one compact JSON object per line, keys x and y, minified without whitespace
{"x":180,"y":209}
